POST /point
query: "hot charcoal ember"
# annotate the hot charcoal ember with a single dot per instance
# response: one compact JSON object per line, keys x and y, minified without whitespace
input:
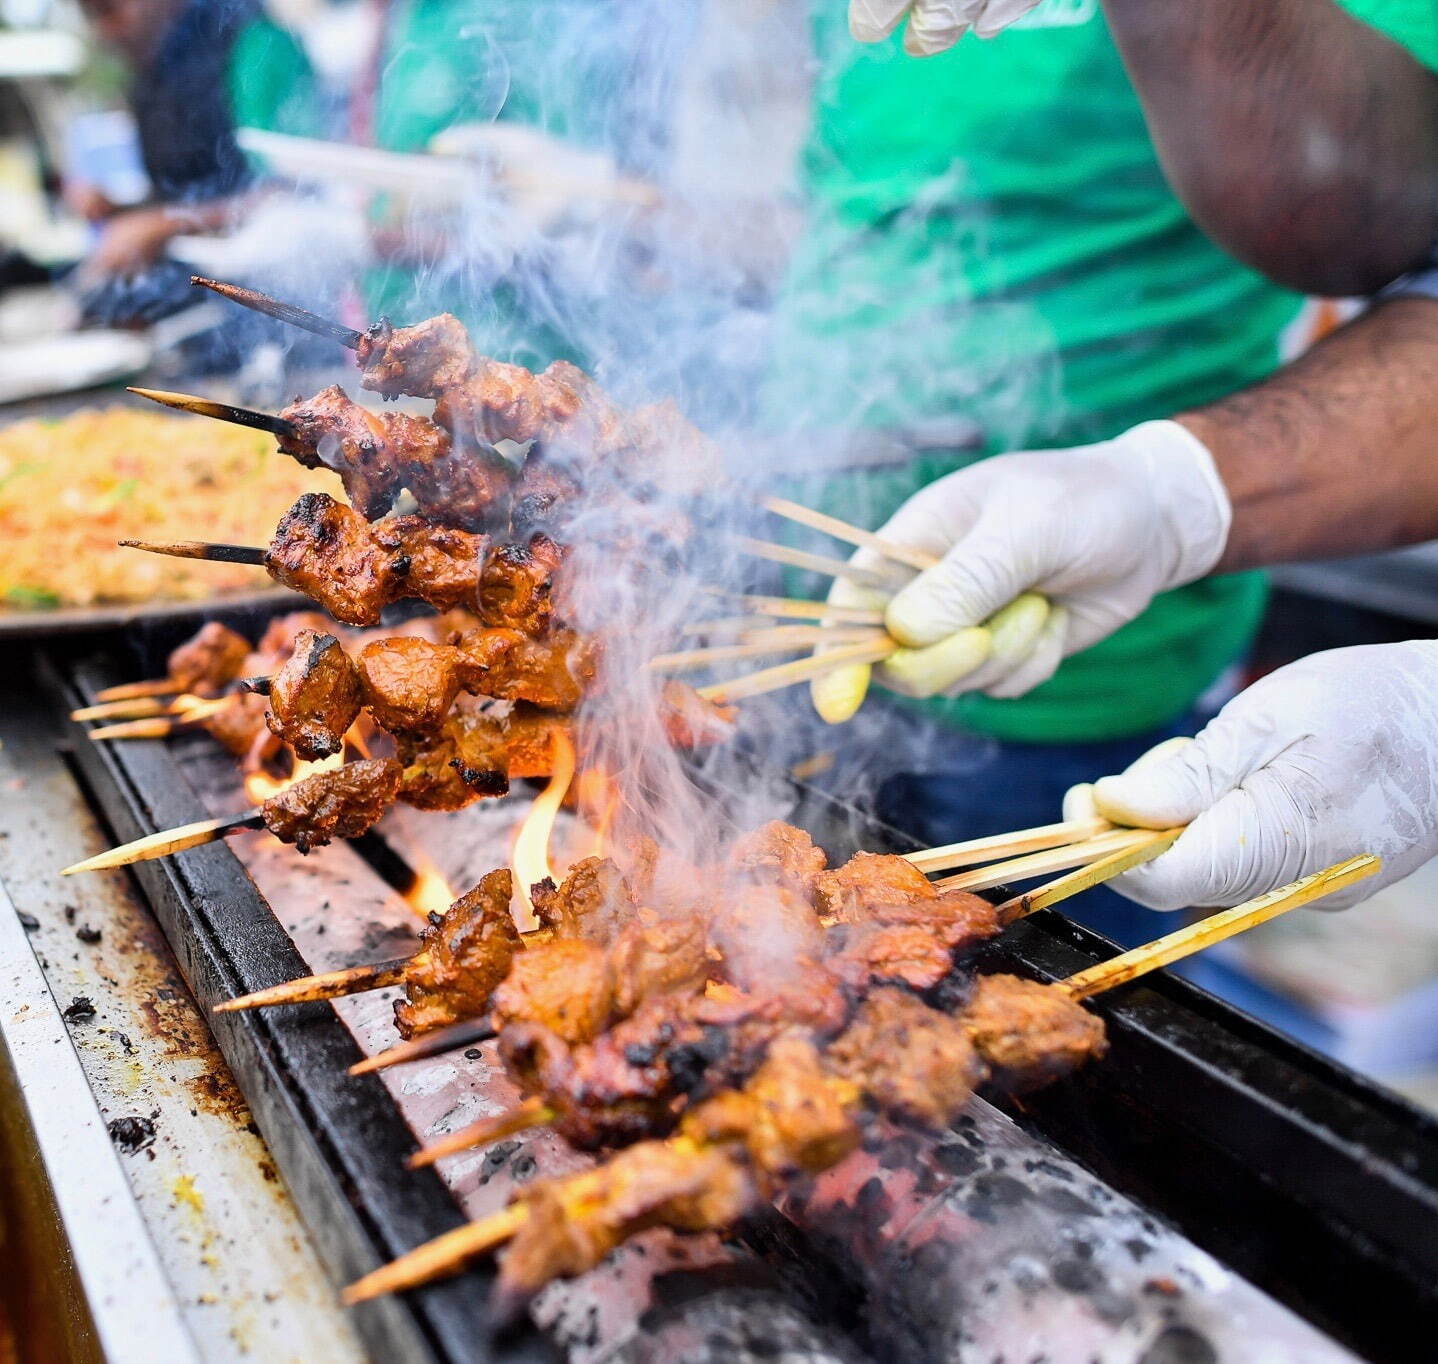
{"x":208,"y":663}
{"x":343,"y":803}
{"x":315,"y":696}
{"x":466,"y":953}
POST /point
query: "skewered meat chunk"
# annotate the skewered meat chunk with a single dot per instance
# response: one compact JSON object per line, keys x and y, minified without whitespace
{"x":210,"y":661}
{"x":408,"y":684}
{"x":573,"y":1223}
{"x":506,"y":402}
{"x":553,"y":672}
{"x":343,"y":803}
{"x":239,"y":724}
{"x":913,"y":1062}
{"x":691,"y":721}
{"x":907,"y":954}
{"x":315,"y":696}
{"x":332,"y":431}
{"x":516,"y":585}
{"x":566,"y":985}
{"x":782,"y":853}
{"x":466,"y":953}
{"x":789,"y":1118}
{"x":869,"y":879}
{"x":594,"y":902}
{"x":425,"y":360}
{"x":328,"y":552}
{"x":463,"y":484}
{"x":1030,"y":1033}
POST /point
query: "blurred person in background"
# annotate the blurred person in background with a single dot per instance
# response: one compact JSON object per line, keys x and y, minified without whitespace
{"x":196,"y":70}
{"x":1103,"y":216}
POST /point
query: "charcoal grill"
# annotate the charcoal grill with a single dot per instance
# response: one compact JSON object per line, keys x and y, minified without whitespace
{"x":1316,"y":1186}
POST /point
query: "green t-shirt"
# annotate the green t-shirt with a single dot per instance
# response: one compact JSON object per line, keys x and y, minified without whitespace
{"x":991,"y":236}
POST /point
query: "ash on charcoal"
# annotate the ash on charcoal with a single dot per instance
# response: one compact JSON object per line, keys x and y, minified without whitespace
{"x":495,"y":1158}
{"x":80,"y":1009}
{"x":956,"y":1159}
{"x":127,"y":1046}
{"x":131,"y":1134}
{"x":1065,"y":1201}
{"x":88,"y":933}
{"x":991,"y":1194}
{"x":1179,"y":1345}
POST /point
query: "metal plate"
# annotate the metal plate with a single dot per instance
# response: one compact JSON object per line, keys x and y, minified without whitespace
{"x":76,"y":620}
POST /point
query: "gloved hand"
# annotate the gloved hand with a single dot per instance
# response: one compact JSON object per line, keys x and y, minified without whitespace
{"x":1098,"y":530}
{"x":934,"y":25}
{"x":1332,"y":756}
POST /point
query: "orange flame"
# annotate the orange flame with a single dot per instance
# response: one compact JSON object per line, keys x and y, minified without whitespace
{"x":530,"y":858}
{"x":596,"y":797}
{"x":260,"y":785}
{"x":431,"y":893}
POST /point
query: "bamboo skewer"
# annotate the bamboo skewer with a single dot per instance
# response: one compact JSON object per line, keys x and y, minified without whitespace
{"x":446,"y":1253}
{"x":1141,"y":850}
{"x":1043,"y":863}
{"x":465,"y":1032}
{"x":976,"y":850}
{"x":137,"y":708}
{"x":1215,"y":928}
{"x":330,"y":985}
{"x":801,"y":670}
{"x":205,"y":407}
{"x":169,"y":841}
{"x":798,"y":609}
{"x":129,"y":691}
{"x":533,"y":1112}
{"x":201,"y":549}
{"x":853,"y":535}
{"x":815,"y":563}
{"x":161,"y":727}
{"x":689,"y":659}
{"x":282,"y":312}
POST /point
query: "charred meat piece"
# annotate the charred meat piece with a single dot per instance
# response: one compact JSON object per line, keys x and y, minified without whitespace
{"x":690,"y":721}
{"x":790,"y":1117}
{"x":240,"y":724}
{"x":425,"y":360}
{"x":516,"y":585}
{"x":593,"y":902}
{"x":466,"y":953}
{"x":552,"y":672}
{"x":850,"y":892}
{"x":209,"y":662}
{"x":657,"y":956}
{"x":409,"y":684}
{"x":507,"y":402}
{"x":463,"y":484}
{"x":780,"y":853}
{"x":1030,"y":1033}
{"x":906,"y":954}
{"x":438,"y":777}
{"x":565,"y":985}
{"x":332,"y":431}
{"x":328,"y":552}
{"x":763,"y":931}
{"x":343,"y":803}
{"x":572,"y":1223}
{"x":913,"y":1063}
{"x":315,"y":696}
{"x":278,"y":641}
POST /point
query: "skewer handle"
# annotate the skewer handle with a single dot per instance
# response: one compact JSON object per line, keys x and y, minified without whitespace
{"x":853,"y":535}
{"x":973,"y":851}
{"x":1226,"y":923}
{"x":1142,"y":849}
{"x":283,"y":312}
{"x":168,"y":841}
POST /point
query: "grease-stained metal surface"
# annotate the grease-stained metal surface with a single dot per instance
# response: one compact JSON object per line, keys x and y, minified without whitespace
{"x":235,"y":1253}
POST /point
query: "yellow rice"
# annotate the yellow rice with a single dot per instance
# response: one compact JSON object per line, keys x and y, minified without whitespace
{"x":70,"y":488}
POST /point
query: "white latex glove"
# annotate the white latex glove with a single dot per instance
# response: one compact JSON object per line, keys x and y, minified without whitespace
{"x":934,"y":25}
{"x":1332,"y":756}
{"x":1098,"y":530}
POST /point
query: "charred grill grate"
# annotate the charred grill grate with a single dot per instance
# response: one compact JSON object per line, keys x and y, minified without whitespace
{"x":1319,"y":1188}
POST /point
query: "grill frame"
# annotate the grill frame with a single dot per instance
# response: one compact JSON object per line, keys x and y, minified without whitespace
{"x":1201,"y":1109}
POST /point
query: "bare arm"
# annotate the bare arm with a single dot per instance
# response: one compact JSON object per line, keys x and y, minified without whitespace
{"x":1302,"y":141}
{"x":1338,"y":452}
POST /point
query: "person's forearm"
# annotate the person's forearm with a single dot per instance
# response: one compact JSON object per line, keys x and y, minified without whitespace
{"x":1304,"y":142}
{"x":1337,"y":453}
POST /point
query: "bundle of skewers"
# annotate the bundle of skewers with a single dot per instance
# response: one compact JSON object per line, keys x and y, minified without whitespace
{"x":721,"y":1034}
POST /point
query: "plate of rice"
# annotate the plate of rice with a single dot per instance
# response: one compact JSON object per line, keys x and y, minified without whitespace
{"x":72,"y":487}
